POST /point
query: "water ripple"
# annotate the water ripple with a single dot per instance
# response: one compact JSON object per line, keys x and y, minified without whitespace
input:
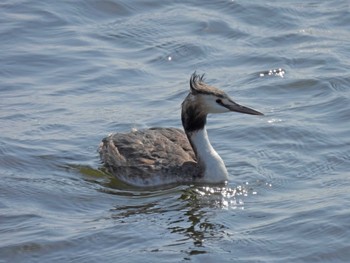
{"x":72,"y":72}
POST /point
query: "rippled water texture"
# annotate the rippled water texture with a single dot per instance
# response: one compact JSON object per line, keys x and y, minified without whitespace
{"x":73,"y":71}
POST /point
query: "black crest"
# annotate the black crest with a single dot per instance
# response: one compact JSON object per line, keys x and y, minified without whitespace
{"x":195,"y":81}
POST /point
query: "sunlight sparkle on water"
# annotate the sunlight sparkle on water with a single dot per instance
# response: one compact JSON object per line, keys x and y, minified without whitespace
{"x":225,"y":197}
{"x":272,"y":121}
{"x":273,"y":72}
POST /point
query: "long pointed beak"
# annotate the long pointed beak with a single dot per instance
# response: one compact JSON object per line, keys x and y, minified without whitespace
{"x":233,"y":106}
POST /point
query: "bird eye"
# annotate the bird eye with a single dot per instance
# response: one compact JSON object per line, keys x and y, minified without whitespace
{"x":219,"y":101}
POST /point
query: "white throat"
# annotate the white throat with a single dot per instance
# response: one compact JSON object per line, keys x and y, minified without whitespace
{"x":214,"y":167}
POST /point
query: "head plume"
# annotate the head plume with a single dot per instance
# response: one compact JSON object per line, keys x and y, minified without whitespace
{"x":195,"y":82}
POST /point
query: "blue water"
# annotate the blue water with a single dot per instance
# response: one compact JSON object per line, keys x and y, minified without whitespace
{"x":73,"y":71}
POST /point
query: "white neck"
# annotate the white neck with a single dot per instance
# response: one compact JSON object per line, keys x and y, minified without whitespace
{"x":214,"y":167}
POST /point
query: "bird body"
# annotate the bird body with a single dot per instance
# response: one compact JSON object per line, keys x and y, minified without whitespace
{"x":159,"y":156}
{"x":150,"y":157}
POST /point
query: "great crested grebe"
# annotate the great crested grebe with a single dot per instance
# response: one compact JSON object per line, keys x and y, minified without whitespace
{"x":160,"y":156}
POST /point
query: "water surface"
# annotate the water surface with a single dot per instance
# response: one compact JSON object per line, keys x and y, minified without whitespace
{"x":72,"y":72}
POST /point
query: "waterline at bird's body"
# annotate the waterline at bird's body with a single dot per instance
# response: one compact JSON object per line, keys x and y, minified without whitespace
{"x":159,"y":156}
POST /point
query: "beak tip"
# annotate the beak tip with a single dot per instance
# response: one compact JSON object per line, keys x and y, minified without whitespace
{"x":243,"y":109}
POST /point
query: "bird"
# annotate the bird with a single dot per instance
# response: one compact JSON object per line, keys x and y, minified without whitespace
{"x":162,"y":156}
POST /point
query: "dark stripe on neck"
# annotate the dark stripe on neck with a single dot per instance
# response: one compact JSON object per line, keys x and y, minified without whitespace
{"x":193,"y":120}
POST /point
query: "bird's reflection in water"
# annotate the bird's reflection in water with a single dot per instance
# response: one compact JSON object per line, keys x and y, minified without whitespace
{"x":193,"y":216}
{"x":202,"y":204}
